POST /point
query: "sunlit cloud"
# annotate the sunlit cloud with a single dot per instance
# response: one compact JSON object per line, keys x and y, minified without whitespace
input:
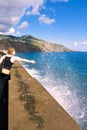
{"x":18,"y":33}
{"x":1,"y":33}
{"x":11,"y":31}
{"x":15,"y":19}
{"x":23,"y":25}
{"x":46,"y":20}
{"x":84,"y":43}
{"x":75,"y":43}
{"x":11,"y":11}
{"x":80,"y":46}
{"x":59,"y":0}
{"x":34,"y":9}
{"x":80,"y":43}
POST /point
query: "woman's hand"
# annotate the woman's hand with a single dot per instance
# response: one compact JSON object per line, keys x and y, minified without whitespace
{"x":33,"y":61}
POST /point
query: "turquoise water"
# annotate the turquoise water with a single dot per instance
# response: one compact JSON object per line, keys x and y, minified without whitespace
{"x":64,"y":75}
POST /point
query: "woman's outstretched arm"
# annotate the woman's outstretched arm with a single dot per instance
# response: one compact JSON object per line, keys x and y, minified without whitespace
{"x":14,"y":58}
{"x":26,"y":60}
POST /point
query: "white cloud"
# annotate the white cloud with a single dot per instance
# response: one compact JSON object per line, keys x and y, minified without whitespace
{"x":36,"y":4}
{"x":1,"y":33}
{"x":59,"y":0}
{"x":12,"y":10}
{"x":23,"y":25}
{"x":44,"y":19}
{"x":75,"y":43}
{"x":84,"y":43}
{"x":15,"y":19}
{"x":18,"y":33}
{"x":11,"y":31}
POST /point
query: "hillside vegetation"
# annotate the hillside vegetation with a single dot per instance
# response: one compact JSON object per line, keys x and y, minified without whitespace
{"x":28,"y":43}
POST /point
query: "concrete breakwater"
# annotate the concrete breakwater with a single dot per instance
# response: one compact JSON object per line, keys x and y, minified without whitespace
{"x":31,"y":107}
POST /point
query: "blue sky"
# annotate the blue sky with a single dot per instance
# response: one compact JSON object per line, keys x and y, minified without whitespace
{"x":58,"y":21}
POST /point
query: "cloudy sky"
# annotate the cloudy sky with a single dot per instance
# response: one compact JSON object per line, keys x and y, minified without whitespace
{"x":58,"y":21}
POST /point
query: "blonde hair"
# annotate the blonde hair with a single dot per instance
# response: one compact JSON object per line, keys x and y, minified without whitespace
{"x":10,"y":50}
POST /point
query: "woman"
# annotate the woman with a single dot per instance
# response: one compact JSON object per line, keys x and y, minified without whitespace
{"x":8,"y":61}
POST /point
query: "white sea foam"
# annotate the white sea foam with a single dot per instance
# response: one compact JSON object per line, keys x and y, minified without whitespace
{"x":33,"y":72}
{"x":61,"y":93}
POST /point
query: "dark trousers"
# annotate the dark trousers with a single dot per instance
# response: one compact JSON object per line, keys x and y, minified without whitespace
{"x":4,"y":104}
{"x":4,"y":88}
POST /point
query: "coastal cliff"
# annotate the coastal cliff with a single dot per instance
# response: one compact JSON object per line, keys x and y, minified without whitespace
{"x":28,"y":43}
{"x":31,"y":107}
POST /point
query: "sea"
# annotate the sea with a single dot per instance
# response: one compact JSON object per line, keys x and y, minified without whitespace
{"x":64,"y":76}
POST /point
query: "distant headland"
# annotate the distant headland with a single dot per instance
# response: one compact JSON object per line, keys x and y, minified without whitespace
{"x":28,"y":43}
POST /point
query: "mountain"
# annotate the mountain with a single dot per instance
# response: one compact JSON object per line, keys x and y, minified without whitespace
{"x":28,"y":43}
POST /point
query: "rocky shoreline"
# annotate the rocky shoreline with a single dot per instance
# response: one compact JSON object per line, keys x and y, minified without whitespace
{"x":31,"y":107}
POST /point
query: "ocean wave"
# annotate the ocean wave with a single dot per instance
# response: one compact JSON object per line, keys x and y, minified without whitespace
{"x":33,"y":72}
{"x":60,"y":92}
